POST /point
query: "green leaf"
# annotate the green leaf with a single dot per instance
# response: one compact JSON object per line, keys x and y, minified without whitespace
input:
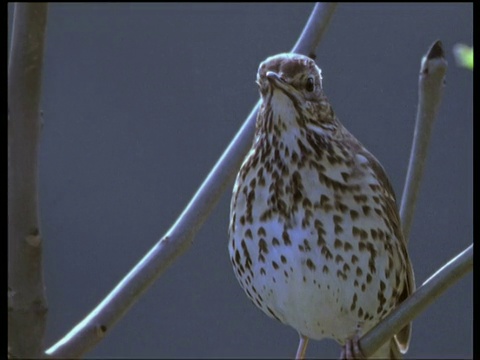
{"x":463,"y":55}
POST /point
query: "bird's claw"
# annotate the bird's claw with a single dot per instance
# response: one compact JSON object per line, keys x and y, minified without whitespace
{"x":351,"y":350}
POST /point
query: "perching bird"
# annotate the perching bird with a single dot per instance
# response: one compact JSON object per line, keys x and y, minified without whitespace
{"x":315,"y":237}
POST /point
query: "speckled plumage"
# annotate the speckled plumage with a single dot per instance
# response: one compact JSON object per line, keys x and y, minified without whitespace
{"x":315,"y":237}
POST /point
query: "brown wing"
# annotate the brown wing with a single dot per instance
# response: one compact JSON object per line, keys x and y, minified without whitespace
{"x":403,"y":336}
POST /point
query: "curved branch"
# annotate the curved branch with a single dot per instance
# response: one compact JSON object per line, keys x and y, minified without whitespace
{"x":430,"y":84}
{"x":431,"y":290}
{"x":178,"y":239}
{"x":26,"y":294}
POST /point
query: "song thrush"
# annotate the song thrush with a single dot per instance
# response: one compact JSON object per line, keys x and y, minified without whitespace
{"x":315,"y":237}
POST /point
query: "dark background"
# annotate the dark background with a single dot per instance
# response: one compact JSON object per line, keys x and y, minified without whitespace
{"x":139,"y":102}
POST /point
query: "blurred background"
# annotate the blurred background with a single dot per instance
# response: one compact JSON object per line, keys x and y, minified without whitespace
{"x":139,"y":102}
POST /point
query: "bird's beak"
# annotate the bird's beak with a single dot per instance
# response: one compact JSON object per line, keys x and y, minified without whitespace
{"x":277,"y":81}
{"x":274,"y":78}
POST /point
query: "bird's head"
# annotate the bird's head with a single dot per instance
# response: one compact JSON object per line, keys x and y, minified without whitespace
{"x":294,"y":75}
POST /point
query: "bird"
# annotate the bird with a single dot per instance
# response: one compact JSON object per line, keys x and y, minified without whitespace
{"x":315,"y":236}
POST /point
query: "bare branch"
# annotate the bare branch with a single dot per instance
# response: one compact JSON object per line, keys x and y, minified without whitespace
{"x":315,"y":28}
{"x":431,"y":84}
{"x":26,"y":294}
{"x":425,"y":295}
{"x":180,"y":236}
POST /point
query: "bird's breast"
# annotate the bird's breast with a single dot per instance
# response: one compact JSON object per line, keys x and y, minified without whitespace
{"x":308,"y":240}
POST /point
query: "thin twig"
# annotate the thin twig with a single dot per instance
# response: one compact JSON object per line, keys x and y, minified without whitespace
{"x":431,"y":289}
{"x":315,"y":28}
{"x":91,"y":330}
{"x":431,"y":84}
{"x":27,"y":304}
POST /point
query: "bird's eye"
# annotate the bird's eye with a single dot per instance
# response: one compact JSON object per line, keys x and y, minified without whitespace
{"x":310,"y":85}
